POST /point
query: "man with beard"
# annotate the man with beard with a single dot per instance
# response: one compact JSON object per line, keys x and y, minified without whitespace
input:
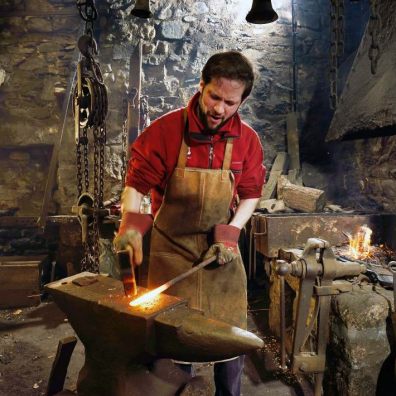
{"x":203,"y":167}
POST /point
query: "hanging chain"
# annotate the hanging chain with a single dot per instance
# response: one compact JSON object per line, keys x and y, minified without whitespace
{"x":90,"y":111}
{"x":79,"y":169}
{"x":82,"y":162}
{"x":373,"y":29}
{"x":333,"y":53}
{"x":124,"y":141}
{"x":340,"y":28}
{"x":84,"y":142}
{"x":337,"y":46}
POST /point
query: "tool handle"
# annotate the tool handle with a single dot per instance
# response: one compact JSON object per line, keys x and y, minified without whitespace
{"x":127,"y":271}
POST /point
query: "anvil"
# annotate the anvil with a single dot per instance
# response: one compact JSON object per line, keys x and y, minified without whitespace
{"x":121,"y":341}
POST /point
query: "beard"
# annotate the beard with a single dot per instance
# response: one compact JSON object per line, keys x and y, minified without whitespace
{"x":204,"y":119}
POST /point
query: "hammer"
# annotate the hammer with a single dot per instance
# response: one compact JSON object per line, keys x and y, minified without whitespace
{"x":127,"y":271}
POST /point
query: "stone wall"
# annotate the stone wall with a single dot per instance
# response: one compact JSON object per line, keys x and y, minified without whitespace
{"x":38,"y":54}
{"x":38,"y":57}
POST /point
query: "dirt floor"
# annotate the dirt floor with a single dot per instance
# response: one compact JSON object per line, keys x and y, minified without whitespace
{"x":29,"y":339}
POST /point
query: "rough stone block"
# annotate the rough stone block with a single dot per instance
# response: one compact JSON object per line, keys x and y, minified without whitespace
{"x":173,"y":30}
{"x":359,"y":343}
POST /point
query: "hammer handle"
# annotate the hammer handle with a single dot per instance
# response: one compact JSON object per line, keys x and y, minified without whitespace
{"x":127,"y":270}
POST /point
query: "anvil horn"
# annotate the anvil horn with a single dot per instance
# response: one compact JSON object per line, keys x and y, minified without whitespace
{"x":186,"y":334}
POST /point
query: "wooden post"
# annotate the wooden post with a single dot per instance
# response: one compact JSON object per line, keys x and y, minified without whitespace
{"x":135,"y":81}
{"x":61,"y":363}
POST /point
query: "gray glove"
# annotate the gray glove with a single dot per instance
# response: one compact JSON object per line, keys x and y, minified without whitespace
{"x":133,"y":240}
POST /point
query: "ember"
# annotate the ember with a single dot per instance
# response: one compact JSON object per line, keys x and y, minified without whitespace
{"x":380,"y":255}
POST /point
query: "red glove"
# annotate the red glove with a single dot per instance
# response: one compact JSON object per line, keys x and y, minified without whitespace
{"x":130,"y":234}
{"x":225,"y":245}
{"x":140,"y":222}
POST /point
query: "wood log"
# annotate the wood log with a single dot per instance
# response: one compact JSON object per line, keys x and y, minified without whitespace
{"x":304,"y":199}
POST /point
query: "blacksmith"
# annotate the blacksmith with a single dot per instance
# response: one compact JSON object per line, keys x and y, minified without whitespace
{"x":203,"y":167}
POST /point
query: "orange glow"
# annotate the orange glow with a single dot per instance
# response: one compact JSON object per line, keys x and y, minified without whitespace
{"x":148,"y":297}
{"x":360,"y":243}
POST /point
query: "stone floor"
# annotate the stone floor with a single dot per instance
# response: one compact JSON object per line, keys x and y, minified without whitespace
{"x":29,"y":338}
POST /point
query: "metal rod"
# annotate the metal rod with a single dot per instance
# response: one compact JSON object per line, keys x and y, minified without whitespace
{"x":178,"y":278}
{"x":190,"y":272}
{"x":282,"y":322}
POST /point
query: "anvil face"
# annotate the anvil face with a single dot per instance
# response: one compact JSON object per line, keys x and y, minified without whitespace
{"x":109,"y":327}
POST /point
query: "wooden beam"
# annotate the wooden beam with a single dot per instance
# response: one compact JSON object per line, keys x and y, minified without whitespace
{"x":135,"y":81}
{"x":58,"y":373}
{"x":293,"y":145}
{"x":278,"y":168}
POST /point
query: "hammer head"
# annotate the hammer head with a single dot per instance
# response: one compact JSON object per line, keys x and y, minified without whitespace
{"x":127,"y":271}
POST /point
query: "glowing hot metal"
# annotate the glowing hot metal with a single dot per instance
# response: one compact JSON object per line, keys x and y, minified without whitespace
{"x":150,"y":295}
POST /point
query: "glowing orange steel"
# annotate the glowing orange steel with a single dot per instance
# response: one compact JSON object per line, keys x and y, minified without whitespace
{"x":360,"y":244}
{"x":148,"y":297}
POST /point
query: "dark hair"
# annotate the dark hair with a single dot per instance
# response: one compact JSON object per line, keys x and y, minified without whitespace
{"x":232,"y":65}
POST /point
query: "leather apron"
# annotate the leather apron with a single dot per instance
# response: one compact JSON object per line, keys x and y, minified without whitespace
{"x":195,"y":200}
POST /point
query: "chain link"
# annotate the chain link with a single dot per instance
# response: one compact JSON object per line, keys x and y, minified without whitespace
{"x":84,"y":142}
{"x":333,"y":75}
{"x":88,"y":13}
{"x":340,"y":28}
{"x":79,"y":169}
{"x":337,"y":46}
{"x":373,"y":29}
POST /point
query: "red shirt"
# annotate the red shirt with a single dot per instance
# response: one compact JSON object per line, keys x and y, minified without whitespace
{"x":155,"y":152}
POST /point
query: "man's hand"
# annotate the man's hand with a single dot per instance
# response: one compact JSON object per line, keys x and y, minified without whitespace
{"x":130,"y":234}
{"x":225,"y":245}
{"x":132,"y":240}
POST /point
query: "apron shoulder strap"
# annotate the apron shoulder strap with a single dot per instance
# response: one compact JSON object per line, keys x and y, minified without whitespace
{"x":181,"y":161}
{"x":227,"y":155}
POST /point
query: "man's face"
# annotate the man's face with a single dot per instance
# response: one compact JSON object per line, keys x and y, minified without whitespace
{"x":219,"y":100}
